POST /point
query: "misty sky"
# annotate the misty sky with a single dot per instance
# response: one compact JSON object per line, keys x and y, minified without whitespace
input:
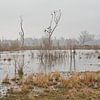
{"x":77,"y":15}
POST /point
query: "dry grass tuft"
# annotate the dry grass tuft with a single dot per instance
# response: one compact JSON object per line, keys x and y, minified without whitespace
{"x":97,"y":77}
{"x":41,"y":79}
{"x":71,"y":94}
{"x":24,"y":88}
{"x":45,"y":80}
{"x":6,"y":80}
{"x":54,"y":76}
{"x":28,"y":80}
{"x":73,"y":81}
{"x":88,"y":77}
{"x":87,"y":91}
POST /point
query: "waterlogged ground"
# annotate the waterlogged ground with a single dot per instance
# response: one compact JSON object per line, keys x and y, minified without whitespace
{"x":86,"y":60}
{"x":53,"y":86}
{"x":38,"y":80}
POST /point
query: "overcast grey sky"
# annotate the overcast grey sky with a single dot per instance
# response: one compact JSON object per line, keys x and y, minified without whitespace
{"x":77,"y":15}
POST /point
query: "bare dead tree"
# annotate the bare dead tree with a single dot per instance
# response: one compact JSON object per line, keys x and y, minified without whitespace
{"x":21,"y":33}
{"x":55,"y":18}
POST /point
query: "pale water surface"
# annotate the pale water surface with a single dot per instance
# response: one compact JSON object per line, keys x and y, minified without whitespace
{"x":86,"y":60}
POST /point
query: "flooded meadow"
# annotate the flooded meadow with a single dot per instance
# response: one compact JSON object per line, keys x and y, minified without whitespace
{"x":33,"y":61}
{"x":33,"y":71}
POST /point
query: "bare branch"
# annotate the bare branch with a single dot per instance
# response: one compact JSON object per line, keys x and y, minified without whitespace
{"x":55,"y":18}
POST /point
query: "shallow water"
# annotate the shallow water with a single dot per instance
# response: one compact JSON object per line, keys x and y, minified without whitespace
{"x":86,"y":60}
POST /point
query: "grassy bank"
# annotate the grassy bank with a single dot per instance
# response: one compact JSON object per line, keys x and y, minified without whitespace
{"x":56,"y":86}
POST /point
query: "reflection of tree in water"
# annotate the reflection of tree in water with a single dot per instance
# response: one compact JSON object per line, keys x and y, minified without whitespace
{"x":19,"y":64}
{"x":49,"y":60}
{"x":72,"y":60}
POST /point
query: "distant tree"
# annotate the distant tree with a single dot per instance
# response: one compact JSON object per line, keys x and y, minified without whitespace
{"x":85,"y":37}
{"x":55,"y":18}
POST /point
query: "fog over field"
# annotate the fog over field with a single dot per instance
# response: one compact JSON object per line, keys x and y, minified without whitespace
{"x":77,"y":15}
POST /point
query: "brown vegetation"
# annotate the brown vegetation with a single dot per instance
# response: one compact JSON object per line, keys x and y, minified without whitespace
{"x":6,"y":80}
{"x":78,"y":86}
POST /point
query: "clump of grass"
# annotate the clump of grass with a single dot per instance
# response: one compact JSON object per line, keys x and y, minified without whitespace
{"x":97,"y":72}
{"x":73,"y":81}
{"x":20,"y":72}
{"x":24,"y":88}
{"x":54,"y":76}
{"x":31,"y":97}
{"x":45,"y":80}
{"x":15,"y":79}
{"x":71,"y":94}
{"x":28,"y":80}
{"x":97,"y":77}
{"x":63,"y":83}
{"x":6,"y":80}
{"x":41,"y":80}
{"x":87,"y":90}
{"x":88,"y":94}
{"x":88,"y":77}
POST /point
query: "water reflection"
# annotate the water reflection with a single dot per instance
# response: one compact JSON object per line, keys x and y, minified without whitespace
{"x":44,"y":61}
{"x":51,"y":59}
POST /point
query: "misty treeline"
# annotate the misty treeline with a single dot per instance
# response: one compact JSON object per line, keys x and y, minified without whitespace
{"x":48,"y":41}
{"x":42,"y":43}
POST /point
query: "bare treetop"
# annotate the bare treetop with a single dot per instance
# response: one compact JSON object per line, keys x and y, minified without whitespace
{"x":55,"y":18}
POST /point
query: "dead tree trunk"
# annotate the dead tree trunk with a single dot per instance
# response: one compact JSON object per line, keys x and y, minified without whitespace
{"x":21,"y":33}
